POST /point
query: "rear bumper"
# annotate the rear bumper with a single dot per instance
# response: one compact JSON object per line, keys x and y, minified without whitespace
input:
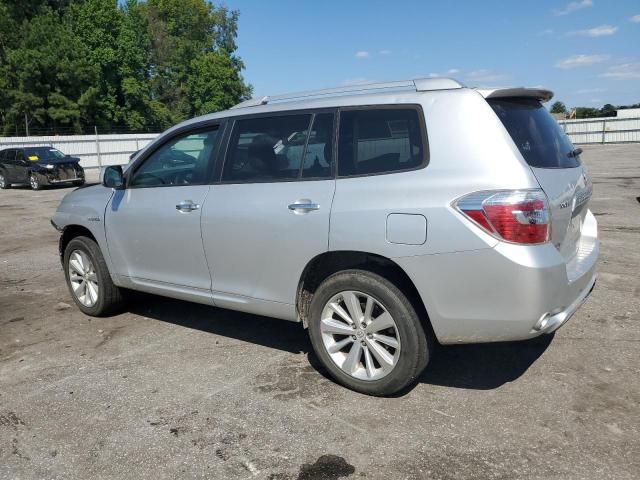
{"x":509,"y":292}
{"x":550,"y":323}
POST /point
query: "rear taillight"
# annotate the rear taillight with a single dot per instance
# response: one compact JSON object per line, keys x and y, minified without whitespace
{"x":518,"y":216}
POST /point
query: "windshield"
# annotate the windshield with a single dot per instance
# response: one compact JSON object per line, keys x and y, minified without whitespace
{"x":535,"y":132}
{"x":43,"y":154}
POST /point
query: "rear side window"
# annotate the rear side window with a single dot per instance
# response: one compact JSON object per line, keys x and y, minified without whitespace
{"x":381,"y":140}
{"x":535,"y":132}
{"x":266,"y":149}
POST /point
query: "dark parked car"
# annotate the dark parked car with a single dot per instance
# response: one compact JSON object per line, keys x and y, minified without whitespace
{"x":38,"y":166}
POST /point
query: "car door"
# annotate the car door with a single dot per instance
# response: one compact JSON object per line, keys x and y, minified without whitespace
{"x":153,"y":225}
{"x":21,"y":167}
{"x":269,"y":215}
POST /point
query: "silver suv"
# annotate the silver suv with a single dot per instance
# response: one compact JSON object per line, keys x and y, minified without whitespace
{"x":382,"y":217}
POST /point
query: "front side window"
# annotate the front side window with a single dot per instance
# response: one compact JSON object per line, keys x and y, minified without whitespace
{"x":381,"y":140}
{"x":182,"y":161}
{"x":266,"y":149}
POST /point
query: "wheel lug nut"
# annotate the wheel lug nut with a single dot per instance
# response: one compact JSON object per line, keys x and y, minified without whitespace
{"x":363,"y":342}
{"x":370,"y":335}
{"x":353,"y":326}
{"x":353,"y":336}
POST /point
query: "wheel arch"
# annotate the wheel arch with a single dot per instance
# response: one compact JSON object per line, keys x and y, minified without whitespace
{"x":328,"y":263}
{"x":69,"y":233}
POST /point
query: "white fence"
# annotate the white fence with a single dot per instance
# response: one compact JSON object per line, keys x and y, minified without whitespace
{"x":93,"y":150}
{"x":602,"y":130}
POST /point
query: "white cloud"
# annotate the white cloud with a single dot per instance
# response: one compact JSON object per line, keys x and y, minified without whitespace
{"x":601,"y":31}
{"x":385,"y":52}
{"x":545,"y":32}
{"x":624,"y":71}
{"x":362,"y":54}
{"x":448,"y":73}
{"x":635,"y":19}
{"x":486,"y":76}
{"x":572,"y":7}
{"x":581,"y":61}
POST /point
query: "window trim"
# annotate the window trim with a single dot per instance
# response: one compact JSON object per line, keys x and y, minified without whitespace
{"x":400,"y":106}
{"x":219,"y":124}
{"x":313,"y":112}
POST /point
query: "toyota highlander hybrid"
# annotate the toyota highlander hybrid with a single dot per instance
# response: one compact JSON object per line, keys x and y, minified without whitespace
{"x":383,"y":217}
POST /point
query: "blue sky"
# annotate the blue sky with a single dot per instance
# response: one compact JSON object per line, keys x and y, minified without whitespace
{"x":587,"y":51}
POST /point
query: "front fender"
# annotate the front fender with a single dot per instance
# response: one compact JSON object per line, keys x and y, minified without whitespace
{"x":85,"y":208}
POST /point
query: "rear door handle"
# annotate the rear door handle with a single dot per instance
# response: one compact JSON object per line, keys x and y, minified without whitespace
{"x":303,"y":206}
{"x":187,"y":206}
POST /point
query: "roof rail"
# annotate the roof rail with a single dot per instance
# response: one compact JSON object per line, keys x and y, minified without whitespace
{"x":418,"y":85}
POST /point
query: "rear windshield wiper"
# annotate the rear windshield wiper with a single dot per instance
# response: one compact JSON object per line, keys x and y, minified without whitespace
{"x":574,"y":153}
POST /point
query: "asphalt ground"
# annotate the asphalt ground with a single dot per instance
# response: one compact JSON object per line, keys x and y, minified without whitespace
{"x":170,"y":389}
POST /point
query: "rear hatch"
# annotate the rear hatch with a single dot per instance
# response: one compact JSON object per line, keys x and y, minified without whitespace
{"x":555,"y":163}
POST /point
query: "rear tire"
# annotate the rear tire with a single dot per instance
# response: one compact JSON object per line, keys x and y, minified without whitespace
{"x":89,"y":280}
{"x":4,"y":184}
{"x":387,"y":350}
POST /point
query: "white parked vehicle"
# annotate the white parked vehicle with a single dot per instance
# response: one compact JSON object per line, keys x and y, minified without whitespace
{"x":383,"y":217}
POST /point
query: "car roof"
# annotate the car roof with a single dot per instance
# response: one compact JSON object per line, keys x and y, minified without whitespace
{"x":401,"y":91}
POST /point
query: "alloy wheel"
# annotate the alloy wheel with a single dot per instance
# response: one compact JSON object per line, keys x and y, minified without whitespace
{"x":83,"y":278}
{"x":2,"y":181}
{"x":360,"y":335}
{"x":33,"y":181}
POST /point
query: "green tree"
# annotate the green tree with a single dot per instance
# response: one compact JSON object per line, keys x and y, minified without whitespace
{"x":73,"y":64}
{"x":608,"y":110}
{"x":558,"y":107}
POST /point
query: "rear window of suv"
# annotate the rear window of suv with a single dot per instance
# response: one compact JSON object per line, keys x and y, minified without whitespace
{"x":535,"y":132}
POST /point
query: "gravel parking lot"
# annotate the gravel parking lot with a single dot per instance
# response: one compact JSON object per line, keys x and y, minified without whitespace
{"x":176,"y":390}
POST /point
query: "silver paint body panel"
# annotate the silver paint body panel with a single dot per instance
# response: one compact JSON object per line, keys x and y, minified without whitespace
{"x":246,"y":250}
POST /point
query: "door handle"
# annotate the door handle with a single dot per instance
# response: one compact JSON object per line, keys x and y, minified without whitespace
{"x":303,"y":206}
{"x":187,"y":206}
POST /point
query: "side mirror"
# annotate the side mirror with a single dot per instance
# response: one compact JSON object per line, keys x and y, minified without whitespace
{"x":113,"y":177}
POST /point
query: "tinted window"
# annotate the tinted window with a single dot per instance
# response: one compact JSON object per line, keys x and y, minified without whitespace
{"x":266,"y":149}
{"x":182,"y":161}
{"x":379,"y":140}
{"x":317,"y":157}
{"x":535,"y":132}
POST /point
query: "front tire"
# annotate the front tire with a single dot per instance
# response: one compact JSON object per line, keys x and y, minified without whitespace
{"x":88,"y":278}
{"x":78,"y":183}
{"x":34,"y":182}
{"x":366,"y":333}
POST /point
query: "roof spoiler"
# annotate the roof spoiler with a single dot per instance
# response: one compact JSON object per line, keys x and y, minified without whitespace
{"x":521,"y":92}
{"x":417,"y":85}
